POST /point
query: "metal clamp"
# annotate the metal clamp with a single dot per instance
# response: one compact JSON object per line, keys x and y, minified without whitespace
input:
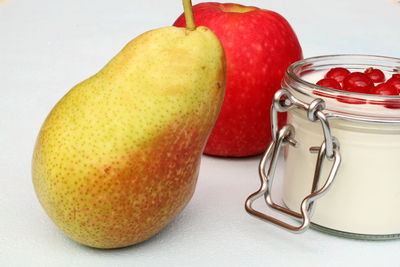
{"x":284,"y":101}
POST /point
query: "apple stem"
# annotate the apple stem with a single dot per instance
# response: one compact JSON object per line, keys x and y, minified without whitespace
{"x":187,"y":7}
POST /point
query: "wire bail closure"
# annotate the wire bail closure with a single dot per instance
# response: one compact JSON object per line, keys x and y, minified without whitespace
{"x":329,"y":149}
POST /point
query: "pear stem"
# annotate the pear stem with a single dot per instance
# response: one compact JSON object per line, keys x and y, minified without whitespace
{"x":187,"y":7}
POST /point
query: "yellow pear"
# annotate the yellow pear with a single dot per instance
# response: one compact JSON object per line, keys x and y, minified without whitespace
{"x":118,"y":157}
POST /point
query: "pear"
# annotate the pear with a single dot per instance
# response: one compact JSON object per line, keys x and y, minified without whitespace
{"x":118,"y":156}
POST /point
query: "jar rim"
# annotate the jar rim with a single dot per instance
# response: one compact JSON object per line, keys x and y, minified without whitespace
{"x":304,"y":62}
{"x":340,"y":103}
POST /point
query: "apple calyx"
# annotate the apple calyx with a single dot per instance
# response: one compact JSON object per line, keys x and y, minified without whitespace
{"x":187,"y":7}
{"x":236,"y":8}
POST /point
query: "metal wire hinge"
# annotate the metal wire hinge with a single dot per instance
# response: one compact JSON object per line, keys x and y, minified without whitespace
{"x":329,"y":149}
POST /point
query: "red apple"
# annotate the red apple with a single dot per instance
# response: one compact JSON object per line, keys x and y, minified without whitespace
{"x":259,"y":46}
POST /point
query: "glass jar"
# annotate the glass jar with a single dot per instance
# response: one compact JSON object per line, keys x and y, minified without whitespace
{"x":341,"y":153}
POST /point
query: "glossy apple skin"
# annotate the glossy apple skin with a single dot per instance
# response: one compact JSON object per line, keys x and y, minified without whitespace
{"x":259,"y":46}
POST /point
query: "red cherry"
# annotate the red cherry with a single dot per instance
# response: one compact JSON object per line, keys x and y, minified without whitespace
{"x":388,"y":89}
{"x":376,"y":75}
{"x":315,"y":92}
{"x":350,"y":100}
{"x":396,"y":75}
{"x":304,"y":72}
{"x":385,"y":89}
{"x":358,"y":82}
{"x":395,"y":104}
{"x":330,"y":83}
{"x":395,"y":81}
{"x":337,"y":73}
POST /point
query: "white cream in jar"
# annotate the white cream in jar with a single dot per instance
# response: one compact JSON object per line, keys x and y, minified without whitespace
{"x":364,"y":199}
{"x":365,"y":195}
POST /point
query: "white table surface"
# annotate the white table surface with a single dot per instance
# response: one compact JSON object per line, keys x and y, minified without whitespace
{"x":46,"y":47}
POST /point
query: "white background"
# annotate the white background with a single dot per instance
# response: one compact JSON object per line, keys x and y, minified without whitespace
{"x":47,"y":46}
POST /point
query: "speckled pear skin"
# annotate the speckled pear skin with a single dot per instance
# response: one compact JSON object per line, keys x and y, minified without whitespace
{"x":118,"y":157}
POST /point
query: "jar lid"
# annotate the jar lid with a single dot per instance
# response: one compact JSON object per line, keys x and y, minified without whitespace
{"x":343,"y":104}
